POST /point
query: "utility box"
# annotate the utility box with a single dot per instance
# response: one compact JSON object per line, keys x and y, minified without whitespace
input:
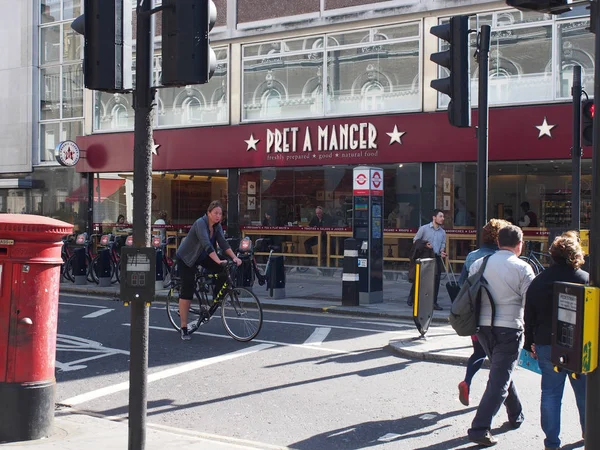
{"x":30,"y":259}
{"x":575,"y":320}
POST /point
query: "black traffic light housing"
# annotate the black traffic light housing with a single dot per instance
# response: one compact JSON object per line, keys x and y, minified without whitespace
{"x":456,"y":59}
{"x":587,"y":122}
{"x":107,"y":60}
{"x":542,"y":6}
{"x":187,"y":57}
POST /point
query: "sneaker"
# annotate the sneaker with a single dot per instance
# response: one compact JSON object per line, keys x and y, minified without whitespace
{"x":463,"y":393}
{"x":485,"y":440}
{"x":185,"y":336}
{"x":437,"y":307}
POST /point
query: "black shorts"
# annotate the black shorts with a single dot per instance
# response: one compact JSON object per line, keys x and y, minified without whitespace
{"x":187,"y":275}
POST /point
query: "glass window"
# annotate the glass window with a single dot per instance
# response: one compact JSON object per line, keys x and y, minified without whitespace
{"x":374,"y":77}
{"x":72,"y":100}
{"x":72,"y":45}
{"x":576,"y":48}
{"x":50,"y":93}
{"x":50,"y":11}
{"x":357,"y":72}
{"x":113,"y":111}
{"x":71,"y":9}
{"x":54,"y":132}
{"x":50,"y":45}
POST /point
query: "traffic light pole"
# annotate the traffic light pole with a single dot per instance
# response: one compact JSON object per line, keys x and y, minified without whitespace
{"x":592,"y":405}
{"x":576,"y":151}
{"x":483,"y":52}
{"x":142,"y":179}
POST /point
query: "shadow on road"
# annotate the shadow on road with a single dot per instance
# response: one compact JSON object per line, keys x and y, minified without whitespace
{"x":372,"y":434}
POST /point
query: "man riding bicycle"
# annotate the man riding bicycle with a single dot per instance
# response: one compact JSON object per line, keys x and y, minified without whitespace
{"x":198,"y":249}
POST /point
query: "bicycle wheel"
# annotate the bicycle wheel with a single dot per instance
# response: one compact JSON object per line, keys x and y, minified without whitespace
{"x":173,"y":307}
{"x":92,"y":277}
{"x":241,"y":314}
{"x":532,"y":264}
{"x":96,"y":269}
{"x":68,"y":269}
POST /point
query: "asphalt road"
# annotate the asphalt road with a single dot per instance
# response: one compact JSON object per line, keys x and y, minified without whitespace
{"x":308,"y":381}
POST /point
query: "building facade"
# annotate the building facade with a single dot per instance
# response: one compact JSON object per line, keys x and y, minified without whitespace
{"x":302,"y":94}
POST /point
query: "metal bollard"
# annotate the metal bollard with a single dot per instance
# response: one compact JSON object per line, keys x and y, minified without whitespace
{"x":276,"y":277}
{"x":350,"y":278}
{"x":160,"y":275}
{"x":80,"y":267}
{"x":103,"y":268}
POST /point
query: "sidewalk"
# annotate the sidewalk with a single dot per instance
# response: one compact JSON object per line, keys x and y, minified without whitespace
{"x":76,"y":431}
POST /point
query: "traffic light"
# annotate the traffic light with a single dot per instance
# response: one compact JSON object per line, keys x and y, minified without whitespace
{"x":106,"y":27}
{"x":456,"y":59}
{"x":187,"y":57}
{"x":542,"y":6}
{"x":587,"y":119}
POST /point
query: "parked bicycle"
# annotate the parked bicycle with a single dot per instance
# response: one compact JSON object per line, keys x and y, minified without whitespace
{"x":534,"y":258}
{"x":113,"y":244}
{"x":66,"y":254}
{"x":241,"y":311}
{"x":167,"y":261}
{"x":83,"y":240}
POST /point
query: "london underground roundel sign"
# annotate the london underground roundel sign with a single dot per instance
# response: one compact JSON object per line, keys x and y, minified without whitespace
{"x":67,"y":153}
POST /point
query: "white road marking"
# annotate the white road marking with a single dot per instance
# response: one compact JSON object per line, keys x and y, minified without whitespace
{"x":339,"y":327}
{"x":262,"y":341}
{"x":66,"y":343}
{"x":81,"y":304}
{"x":318,"y":336}
{"x":178,"y":370}
{"x":98,"y":313}
{"x":389,"y":437}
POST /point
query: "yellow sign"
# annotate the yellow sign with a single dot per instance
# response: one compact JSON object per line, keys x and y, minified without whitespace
{"x":7,"y":242}
{"x":584,"y":236}
{"x":591,"y":313}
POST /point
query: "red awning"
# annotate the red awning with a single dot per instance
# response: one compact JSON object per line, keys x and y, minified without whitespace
{"x":107,"y":188}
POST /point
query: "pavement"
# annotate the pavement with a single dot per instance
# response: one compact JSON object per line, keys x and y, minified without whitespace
{"x":315,"y":291}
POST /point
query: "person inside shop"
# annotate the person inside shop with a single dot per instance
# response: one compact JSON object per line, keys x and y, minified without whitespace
{"x":320,"y":219}
{"x":392,"y":219}
{"x":266,"y":222}
{"x":121,"y":226}
{"x":162,"y":221}
{"x":529,"y":218}
{"x":199,"y":249}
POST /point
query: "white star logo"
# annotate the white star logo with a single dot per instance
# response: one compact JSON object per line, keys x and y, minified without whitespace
{"x":396,"y":136}
{"x":155,"y":149}
{"x":545,"y":129}
{"x":252,"y":143}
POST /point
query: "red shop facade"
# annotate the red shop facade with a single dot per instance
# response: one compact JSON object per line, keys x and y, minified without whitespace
{"x":529,"y":154}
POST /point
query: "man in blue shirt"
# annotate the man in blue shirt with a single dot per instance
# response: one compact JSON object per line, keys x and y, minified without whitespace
{"x":436,"y":236}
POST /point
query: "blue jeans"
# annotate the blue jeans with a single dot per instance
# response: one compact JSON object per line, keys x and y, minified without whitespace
{"x":553,"y":386}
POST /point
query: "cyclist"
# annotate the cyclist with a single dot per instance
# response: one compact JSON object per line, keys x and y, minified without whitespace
{"x":198,"y":248}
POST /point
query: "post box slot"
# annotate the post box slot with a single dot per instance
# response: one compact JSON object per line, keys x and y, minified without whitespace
{"x":3,"y":251}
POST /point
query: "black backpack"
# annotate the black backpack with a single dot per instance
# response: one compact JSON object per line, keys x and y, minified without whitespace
{"x":464,"y":312}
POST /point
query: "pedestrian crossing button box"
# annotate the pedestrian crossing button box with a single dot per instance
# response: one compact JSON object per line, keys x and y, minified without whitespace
{"x":138,"y":274}
{"x":575,"y":319}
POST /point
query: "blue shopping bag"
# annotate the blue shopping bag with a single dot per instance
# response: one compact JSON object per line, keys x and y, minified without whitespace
{"x":529,"y":363}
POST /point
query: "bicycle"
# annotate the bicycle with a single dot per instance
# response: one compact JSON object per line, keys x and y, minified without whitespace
{"x":531,"y":258}
{"x":66,"y":254}
{"x":82,"y":239}
{"x":113,"y":244}
{"x":241,"y":311}
{"x":167,"y":261}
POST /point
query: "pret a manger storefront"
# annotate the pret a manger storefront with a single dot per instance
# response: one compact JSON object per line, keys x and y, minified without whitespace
{"x":272,"y":176}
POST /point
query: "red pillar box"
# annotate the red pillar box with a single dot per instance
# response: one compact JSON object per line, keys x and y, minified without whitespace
{"x":29,"y":282}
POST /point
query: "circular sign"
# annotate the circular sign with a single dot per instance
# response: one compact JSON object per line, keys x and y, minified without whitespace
{"x":361,"y":179}
{"x":67,"y":153}
{"x":376,"y":180}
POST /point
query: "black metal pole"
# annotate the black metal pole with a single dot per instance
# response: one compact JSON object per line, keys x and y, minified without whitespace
{"x":592,"y":405}
{"x":142,"y":185}
{"x":482,"y":129}
{"x":576,"y":151}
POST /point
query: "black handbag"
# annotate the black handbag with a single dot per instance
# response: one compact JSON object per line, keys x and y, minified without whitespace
{"x":452,"y":285}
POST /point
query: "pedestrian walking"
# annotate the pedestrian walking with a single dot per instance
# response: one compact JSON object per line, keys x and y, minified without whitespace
{"x":501,"y":332}
{"x":567,"y":257}
{"x":434,"y":234}
{"x":489,"y":246}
